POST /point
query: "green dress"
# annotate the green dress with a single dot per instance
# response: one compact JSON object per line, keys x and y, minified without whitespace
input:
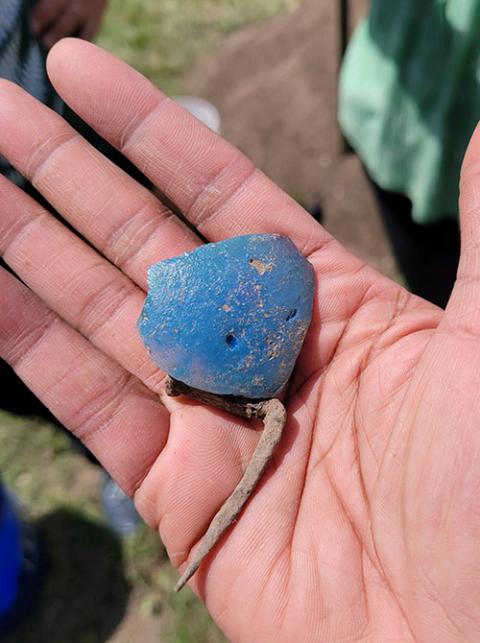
{"x":410,"y":98}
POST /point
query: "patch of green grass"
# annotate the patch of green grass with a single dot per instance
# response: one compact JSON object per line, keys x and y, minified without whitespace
{"x":162,"y":38}
{"x":38,"y":462}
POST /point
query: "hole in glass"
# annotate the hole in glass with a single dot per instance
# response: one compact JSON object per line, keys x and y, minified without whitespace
{"x":231,"y":340}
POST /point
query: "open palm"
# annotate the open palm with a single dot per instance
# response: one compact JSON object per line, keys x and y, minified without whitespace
{"x":367,"y":523}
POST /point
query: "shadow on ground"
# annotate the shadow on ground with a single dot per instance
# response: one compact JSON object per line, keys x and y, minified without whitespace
{"x":85,"y":593}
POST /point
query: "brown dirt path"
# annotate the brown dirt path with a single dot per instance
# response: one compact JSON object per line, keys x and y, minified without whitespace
{"x":275,"y":87}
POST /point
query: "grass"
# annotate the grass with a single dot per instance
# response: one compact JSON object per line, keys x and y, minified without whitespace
{"x":161,"y":38}
{"x":93,"y":578}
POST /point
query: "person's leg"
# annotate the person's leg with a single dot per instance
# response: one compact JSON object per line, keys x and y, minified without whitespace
{"x":427,"y":255}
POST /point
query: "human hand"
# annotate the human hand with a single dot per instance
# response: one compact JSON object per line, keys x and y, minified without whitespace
{"x":366,"y":524}
{"x":55,"y":19}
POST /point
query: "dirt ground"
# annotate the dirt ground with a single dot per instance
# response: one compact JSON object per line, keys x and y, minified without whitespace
{"x":275,"y":88}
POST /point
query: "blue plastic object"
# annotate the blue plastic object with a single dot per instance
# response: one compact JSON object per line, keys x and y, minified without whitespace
{"x":230,"y":317}
{"x":119,"y":509}
{"x":21,"y":568}
{"x":10,"y":553}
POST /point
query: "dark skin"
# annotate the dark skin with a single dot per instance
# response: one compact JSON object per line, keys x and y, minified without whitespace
{"x":365,"y":526}
{"x":53,"y":20}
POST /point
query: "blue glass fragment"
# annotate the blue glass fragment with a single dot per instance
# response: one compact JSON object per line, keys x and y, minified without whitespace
{"x":230,"y":317}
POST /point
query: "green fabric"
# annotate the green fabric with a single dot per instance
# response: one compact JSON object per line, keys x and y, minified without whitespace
{"x":410,"y":97}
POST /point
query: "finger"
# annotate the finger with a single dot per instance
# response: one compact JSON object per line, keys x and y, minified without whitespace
{"x":117,"y":417}
{"x":463,"y":310}
{"x":66,"y":24}
{"x":74,"y":281}
{"x":45,"y":12}
{"x":122,"y":219}
{"x":211,"y":182}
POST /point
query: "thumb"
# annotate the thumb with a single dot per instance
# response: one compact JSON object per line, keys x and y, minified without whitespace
{"x":463,"y":310}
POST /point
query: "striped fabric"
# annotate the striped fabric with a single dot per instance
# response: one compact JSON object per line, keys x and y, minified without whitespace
{"x":22,"y":61}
